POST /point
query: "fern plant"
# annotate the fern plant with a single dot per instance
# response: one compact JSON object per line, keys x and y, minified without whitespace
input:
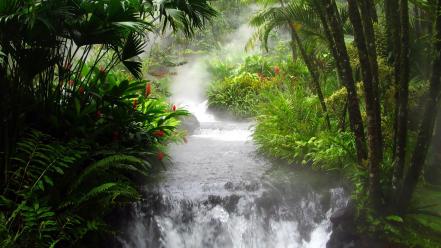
{"x":59,"y":192}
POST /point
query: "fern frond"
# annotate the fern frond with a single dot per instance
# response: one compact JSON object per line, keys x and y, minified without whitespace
{"x":119,"y":162}
{"x":111,"y":190}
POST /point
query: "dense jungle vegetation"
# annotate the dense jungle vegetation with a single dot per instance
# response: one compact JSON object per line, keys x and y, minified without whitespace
{"x":349,"y":86}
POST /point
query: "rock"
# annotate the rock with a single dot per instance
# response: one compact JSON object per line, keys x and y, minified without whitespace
{"x":345,"y":235}
{"x":189,"y":123}
{"x":344,"y":215}
{"x":343,"y":228}
{"x":159,"y":71}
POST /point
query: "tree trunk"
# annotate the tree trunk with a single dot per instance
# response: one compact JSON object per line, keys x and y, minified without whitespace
{"x":342,"y":58}
{"x":372,"y":9}
{"x":427,"y":124}
{"x":391,"y":8}
{"x":314,"y":74}
{"x":293,"y":46}
{"x":433,"y":171}
{"x":374,"y":132}
{"x":394,"y":24}
{"x":403,"y":95}
{"x":368,"y":17}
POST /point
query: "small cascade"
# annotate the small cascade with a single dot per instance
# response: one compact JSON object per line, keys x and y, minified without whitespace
{"x":218,"y":191}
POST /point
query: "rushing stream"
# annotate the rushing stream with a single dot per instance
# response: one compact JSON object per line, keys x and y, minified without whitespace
{"x":218,"y":192}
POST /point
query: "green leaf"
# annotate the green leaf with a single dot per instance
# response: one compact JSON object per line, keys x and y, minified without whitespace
{"x":395,"y":218}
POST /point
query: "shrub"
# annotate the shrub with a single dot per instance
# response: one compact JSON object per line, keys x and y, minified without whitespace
{"x":286,"y":122}
{"x":238,"y":94}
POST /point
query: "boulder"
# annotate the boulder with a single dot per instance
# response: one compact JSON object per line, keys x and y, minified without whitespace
{"x":189,"y":123}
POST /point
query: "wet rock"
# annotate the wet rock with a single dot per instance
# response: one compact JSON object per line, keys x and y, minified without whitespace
{"x":343,"y":228}
{"x":253,"y":186}
{"x":159,"y":71}
{"x":344,"y":234}
{"x":344,"y":215}
{"x":230,"y":204}
{"x":189,"y":123}
{"x":214,"y":200}
{"x":229,"y":186}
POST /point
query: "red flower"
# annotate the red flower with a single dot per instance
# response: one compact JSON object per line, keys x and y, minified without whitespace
{"x":81,"y":90}
{"x":98,"y":114}
{"x":276,"y":70}
{"x":71,"y":82}
{"x":174,"y":108}
{"x":115,"y":136}
{"x":148,"y":89}
{"x":158,"y":133}
{"x":160,"y":156}
{"x":135,"y":104}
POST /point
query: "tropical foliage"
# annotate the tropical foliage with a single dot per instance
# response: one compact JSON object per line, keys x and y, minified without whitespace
{"x":360,"y":105}
{"x":81,"y":130}
{"x":350,"y":86}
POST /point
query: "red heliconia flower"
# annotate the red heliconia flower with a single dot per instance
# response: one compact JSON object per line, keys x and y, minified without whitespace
{"x":174,"y":108}
{"x":148,"y":89}
{"x":158,"y":133}
{"x":71,"y":82}
{"x":276,"y":70}
{"x":81,"y":90}
{"x":102,"y":70}
{"x":160,"y":156}
{"x":115,"y":136}
{"x":135,"y":104}
{"x":98,"y":114}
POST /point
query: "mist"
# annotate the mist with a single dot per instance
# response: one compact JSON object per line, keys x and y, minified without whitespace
{"x":191,"y":80}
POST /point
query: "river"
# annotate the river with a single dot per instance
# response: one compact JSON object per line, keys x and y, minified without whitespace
{"x":218,"y":191}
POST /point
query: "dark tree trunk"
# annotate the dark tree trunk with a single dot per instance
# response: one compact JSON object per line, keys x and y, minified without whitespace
{"x":433,"y":171}
{"x":372,"y":9}
{"x":394,"y":24}
{"x":403,"y":95}
{"x":342,"y":58}
{"x":328,"y":35}
{"x":314,"y":74}
{"x":368,"y":17}
{"x":374,"y":129}
{"x":427,"y":124}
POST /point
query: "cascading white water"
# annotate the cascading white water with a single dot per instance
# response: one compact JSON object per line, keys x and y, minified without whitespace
{"x":218,"y":192}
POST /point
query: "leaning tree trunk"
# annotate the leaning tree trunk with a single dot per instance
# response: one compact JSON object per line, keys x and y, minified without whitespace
{"x":342,"y":58}
{"x":314,"y":74}
{"x":293,"y":45}
{"x":427,"y":124}
{"x":371,"y":100}
{"x":403,"y":96}
{"x":330,"y":41}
